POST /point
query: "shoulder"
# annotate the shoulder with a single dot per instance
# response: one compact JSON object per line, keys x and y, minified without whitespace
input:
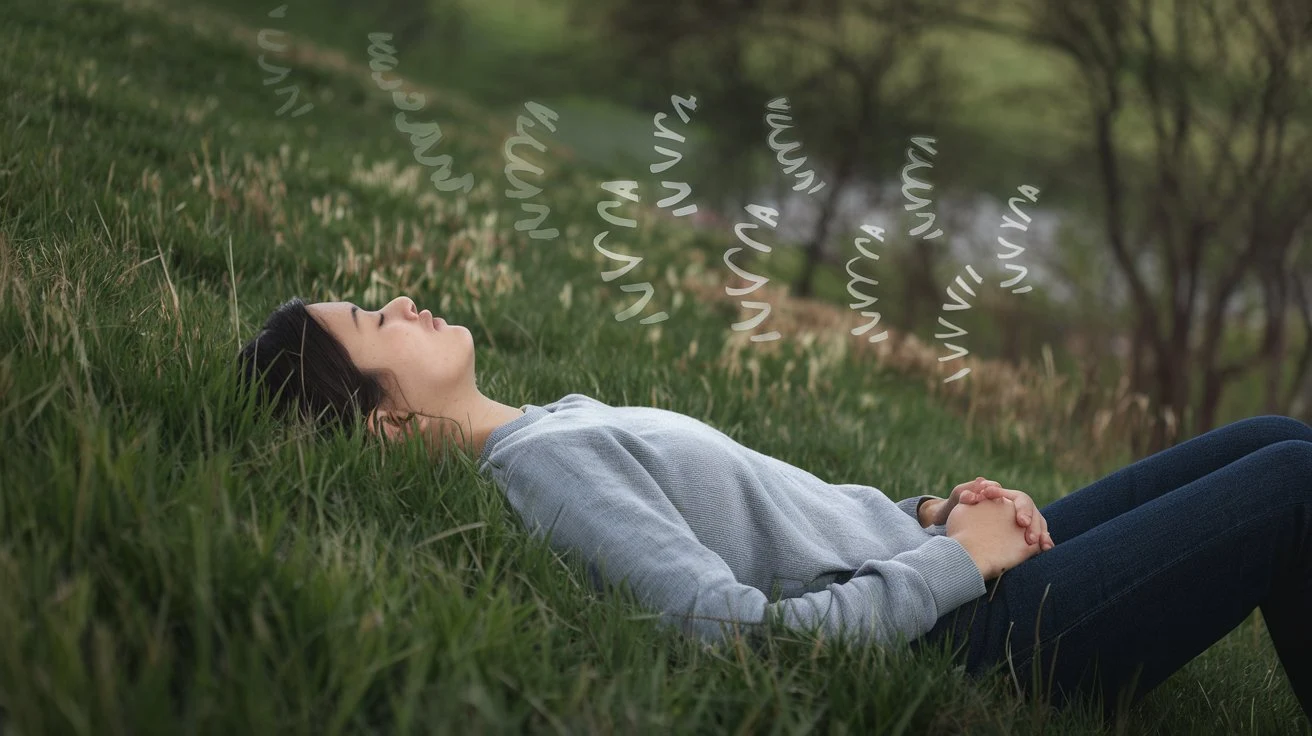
{"x":568,"y":446}
{"x":578,"y":399}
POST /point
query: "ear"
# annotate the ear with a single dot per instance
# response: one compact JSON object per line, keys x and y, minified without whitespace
{"x":395,"y":425}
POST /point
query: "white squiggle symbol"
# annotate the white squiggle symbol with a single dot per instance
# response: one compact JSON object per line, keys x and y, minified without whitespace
{"x":768,"y":216}
{"x":777,"y":122}
{"x":291,"y":91}
{"x":627,"y":190}
{"x":876,"y":232}
{"x":423,"y":136}
{"x":908,"y":184}
{"x":958,"y":304}
{"x":516,"y":165}
{"x":681,"y":188}
{"x":1032,"y":194}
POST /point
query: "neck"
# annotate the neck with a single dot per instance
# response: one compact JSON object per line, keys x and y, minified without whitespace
{"x":477,"y":417}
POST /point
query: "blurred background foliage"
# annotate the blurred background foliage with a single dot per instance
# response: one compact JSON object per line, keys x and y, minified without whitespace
{"x":1170,"y":141}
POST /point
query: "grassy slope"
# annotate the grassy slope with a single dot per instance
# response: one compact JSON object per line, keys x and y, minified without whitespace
{"x":171,"y":561}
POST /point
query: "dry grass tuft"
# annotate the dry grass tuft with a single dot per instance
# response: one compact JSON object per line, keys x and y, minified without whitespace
{"x":1084,"y":429}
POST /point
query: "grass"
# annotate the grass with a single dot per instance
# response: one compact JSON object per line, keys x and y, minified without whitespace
{"x":173,"y":561}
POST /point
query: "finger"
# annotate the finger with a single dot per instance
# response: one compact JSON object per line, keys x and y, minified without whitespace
{"x":1026,"y":518}
{"x":1025,"y":509}
{"x":1040,"y":537}
{"x":967,"y":486}
{"x":1038,"y":529}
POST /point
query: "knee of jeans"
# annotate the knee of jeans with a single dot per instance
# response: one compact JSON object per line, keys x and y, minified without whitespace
{"x":1293,"y":457}
{"x":1279,"y":427}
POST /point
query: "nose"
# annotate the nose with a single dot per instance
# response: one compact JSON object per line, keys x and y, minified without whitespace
{"x":407,"y":305}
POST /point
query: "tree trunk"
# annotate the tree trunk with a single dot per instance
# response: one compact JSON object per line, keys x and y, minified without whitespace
{"x":1210,"y":401}
{"x":1142,"y":359}
{"x":1173,"y":385}
{"x":1276,"y":340}
{"x":815,"y":245}
{"x":866,"y":81}
{"x":1304,"y":359}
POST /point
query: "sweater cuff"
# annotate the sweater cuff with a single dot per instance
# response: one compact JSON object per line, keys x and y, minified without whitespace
{"x":948,"y":570}
{"x":909,"y":506}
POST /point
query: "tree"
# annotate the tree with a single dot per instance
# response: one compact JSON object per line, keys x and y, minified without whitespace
{"x":1208,"y":189}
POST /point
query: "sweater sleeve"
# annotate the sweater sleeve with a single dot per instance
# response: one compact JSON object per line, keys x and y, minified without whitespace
{"x":909,"y":505}
{"x":591,"y":497}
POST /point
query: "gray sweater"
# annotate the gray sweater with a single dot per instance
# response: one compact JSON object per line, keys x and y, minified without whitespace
{"x":712,"y":535}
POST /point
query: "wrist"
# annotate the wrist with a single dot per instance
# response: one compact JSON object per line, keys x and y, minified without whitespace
{"x":927,"y":511}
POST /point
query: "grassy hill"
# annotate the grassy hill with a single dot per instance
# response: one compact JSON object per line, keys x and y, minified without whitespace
{"x":172,"y":561}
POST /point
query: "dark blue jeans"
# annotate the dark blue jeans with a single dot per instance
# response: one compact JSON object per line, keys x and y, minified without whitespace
{"x":1151,"y":565}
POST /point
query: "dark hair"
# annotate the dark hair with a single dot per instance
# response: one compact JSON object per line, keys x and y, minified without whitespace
{"x":296,"y":363}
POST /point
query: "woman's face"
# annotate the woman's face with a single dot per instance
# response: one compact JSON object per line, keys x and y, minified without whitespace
{"x":433,"y":362}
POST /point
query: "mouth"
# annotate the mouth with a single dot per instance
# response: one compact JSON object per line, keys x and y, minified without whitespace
{"x":438,"y":322}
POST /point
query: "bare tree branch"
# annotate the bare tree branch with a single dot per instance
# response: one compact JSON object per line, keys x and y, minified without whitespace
{"x":1300,"y":290}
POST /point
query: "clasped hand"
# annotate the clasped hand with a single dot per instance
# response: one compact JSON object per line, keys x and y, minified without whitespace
{"x":979,"y":489}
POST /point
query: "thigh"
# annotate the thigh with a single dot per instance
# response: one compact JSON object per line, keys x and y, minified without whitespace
{"x":1162,"y":472}
{"x":1133,"y":599}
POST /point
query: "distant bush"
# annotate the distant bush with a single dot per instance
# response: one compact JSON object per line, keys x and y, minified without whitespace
{"x":410,"y":21}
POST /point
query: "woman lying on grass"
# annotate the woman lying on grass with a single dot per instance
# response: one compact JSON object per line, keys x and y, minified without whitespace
{"x":1157,"y":560}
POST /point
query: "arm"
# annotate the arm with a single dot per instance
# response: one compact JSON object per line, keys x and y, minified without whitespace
{"x":615,"y":516}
